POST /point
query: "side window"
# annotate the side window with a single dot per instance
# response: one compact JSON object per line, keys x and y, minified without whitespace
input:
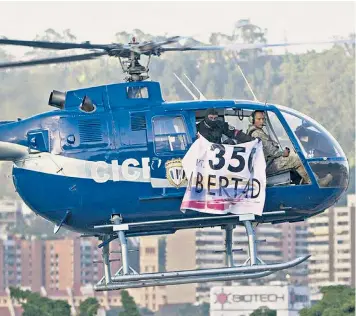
{"x":170,"y":134}
{"x":137,"y":92}
{"x":238,"y":118}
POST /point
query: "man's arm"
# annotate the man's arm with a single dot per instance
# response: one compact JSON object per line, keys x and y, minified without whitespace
{"x":233,"y":133}
{"x":269,"y":148}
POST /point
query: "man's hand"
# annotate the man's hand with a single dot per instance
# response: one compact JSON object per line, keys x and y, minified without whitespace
{"x":286,"y":152}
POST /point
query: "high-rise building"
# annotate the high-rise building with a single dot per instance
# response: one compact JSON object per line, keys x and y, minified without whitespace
{"x":32,"y":261}
{"x":21,"y":262}
{"x":54,"y":264}
{"x":73,"y":262}
{"x":181,"y":253}
{"x":295,"y":244}
{"x":10,"y":214}
{"x":152,"y":257}
{"x":331,"y":242}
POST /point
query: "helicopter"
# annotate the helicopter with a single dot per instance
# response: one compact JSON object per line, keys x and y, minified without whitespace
{"x":127,"y":133}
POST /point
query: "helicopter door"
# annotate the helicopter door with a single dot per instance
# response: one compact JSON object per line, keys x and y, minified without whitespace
{"x":172,"y":136}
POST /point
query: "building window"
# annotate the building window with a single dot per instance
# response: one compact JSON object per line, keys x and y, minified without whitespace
{"x":150,"y":250}
{"x":342,"y":223}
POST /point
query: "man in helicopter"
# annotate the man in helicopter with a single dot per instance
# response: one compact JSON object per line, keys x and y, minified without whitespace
{"x":212,"y":129}
{"x":277,"y":159}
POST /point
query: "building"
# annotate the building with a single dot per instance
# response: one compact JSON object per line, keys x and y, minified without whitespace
{"x":21,"y":262}
{"x":331,"y":241}
{"x":152,"y":259}
{"x":53,"y":264}
{"x":287,"y":300}
{"x":181,"y":254}
{"x":295,"y":244}
{"x":10,"y":214}
{"x":204,"y":248}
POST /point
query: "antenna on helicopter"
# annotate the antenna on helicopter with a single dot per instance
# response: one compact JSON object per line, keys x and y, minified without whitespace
{"x":248,"y":85}
{"x":201,"y":96}
{"x":186,"y":88}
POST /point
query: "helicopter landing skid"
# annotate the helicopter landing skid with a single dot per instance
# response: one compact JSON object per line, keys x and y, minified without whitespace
{"x":253,"y":267}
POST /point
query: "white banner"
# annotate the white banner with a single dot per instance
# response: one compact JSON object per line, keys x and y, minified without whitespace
{"x":225,"y":179}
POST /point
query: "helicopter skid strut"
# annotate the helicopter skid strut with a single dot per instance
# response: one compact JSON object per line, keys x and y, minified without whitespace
{"x":252,"y":268}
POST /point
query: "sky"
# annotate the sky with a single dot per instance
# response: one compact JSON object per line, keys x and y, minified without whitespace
{"x":98,"y":22}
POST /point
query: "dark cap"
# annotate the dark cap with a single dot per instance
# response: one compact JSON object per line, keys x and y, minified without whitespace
{"x":211,"y":111}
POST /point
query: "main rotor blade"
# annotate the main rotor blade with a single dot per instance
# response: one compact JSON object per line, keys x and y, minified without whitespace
{"x":152,"y":45}
{"x":249,"y":46}
{"x":54,"y":60}
{"x":55,"y":45}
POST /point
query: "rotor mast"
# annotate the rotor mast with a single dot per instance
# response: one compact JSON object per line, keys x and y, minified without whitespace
{"x":131,"y":65}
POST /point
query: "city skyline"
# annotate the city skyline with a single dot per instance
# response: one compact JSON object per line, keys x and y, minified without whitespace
{"x":55,"y":265}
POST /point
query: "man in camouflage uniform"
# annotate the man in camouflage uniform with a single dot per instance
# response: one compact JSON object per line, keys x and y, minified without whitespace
{"x":276,"y":159}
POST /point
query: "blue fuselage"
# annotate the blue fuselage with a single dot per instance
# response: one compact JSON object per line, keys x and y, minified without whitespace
{"x":57,"y":175}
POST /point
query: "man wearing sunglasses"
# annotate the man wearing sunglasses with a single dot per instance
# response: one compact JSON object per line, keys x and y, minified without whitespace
{"x":212,"y":129}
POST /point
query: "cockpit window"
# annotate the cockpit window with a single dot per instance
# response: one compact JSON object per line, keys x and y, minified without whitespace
{"x":315,"y":140}
{"x":276,"y":130}
{"x":170,"y":134}
{"x":138,"y":92}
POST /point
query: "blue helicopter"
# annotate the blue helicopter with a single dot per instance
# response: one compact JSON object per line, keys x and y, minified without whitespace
{"x":98,"y":164}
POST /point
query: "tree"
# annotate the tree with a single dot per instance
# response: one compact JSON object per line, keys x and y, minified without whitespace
{"x":337,"y":300}
{"x":321,"y":85}
{"x":89,"y":307}
{"x":128,"y":304}
{"x":34,"y":304}
{"x":188,"y":309}
{"x":194,"y":310}
{"x":264,"y":311}
{"x":205,"y":309}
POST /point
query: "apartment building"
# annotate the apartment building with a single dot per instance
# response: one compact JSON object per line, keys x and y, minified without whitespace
{"x":204,"y":249}
{"x":295,"y":244}
{"x":54,"y":264}
{"x":152,"y":259}
{"x":10,"y":214}
{"x":331,"y":242}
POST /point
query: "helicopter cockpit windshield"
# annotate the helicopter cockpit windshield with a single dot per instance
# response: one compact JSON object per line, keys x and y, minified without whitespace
{"x":319,"y":147}
{"x":314,"y":139}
